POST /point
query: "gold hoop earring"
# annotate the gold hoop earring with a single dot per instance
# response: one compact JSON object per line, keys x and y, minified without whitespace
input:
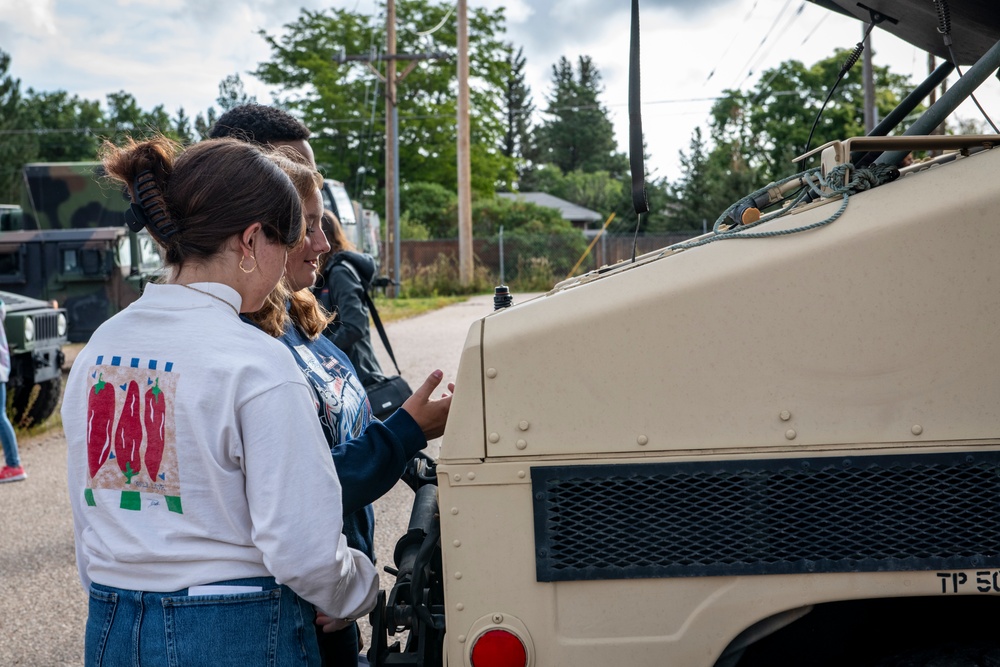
{"x":251,"y":270}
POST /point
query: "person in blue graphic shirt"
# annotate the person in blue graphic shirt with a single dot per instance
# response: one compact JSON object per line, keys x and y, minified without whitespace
{"x":370,"y":456}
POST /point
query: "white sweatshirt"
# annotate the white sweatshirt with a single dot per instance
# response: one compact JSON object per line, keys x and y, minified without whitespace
{"x":195,"y":456}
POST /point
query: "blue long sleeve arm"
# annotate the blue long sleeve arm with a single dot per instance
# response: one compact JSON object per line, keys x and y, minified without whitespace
{"x":370,"y":465}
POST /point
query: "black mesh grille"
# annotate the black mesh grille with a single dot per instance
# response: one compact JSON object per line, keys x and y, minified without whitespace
{"x":46,"y":326}
{"x":874,"y":513}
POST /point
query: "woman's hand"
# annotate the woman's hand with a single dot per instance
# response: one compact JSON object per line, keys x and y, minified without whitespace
{"x":331,"y":624}
{"x":430,"y":414}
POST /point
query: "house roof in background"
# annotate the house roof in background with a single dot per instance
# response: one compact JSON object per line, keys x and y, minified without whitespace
{"x":568,"y":209}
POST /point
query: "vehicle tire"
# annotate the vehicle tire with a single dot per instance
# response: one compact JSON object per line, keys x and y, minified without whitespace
{"x":30,"y":406}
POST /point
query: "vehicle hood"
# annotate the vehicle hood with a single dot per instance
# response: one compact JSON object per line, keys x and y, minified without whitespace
{"x":16,"y":303}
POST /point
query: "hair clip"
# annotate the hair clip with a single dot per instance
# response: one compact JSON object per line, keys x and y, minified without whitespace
{"x":148,"y":210}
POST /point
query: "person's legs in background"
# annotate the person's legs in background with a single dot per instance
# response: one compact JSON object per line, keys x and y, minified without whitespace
{"x":12,"y":470}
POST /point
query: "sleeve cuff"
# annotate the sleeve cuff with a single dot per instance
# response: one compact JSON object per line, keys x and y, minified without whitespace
{"x":406,"y":429}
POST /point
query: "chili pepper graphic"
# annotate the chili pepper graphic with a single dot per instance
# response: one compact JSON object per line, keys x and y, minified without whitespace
{"x":152,"y":419}
{"x":128,"y":435}
{"x":100,"y":417}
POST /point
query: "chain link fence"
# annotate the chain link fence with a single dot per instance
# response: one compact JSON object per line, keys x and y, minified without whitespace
{"x":525,"y":261}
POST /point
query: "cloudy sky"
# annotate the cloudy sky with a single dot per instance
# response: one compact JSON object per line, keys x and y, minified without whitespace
{"x":175,"y":52}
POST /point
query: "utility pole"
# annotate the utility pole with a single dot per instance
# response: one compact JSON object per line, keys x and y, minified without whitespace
{"x":868,"y":75}
{"x":390,"y":81}
{"x":464,"y":168}
{"x":391,"y":148}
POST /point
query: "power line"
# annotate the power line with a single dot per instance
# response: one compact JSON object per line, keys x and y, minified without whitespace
{"x":767,"y":35}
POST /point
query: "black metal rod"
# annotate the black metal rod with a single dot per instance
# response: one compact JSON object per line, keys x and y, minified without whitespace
{"x":955,"y":95}
{"x":902,"y":110}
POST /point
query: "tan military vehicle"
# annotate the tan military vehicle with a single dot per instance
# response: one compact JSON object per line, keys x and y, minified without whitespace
{"x":778,"y":444}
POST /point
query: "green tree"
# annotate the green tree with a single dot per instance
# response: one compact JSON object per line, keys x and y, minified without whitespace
{"x":232,"y":93}
{"x":770,"y":124}
{"x":755,"y":134}
{"x":67,"y":127}
{"x":711,"y":180}
{"x":518,"y":108}
{"x":204,"y":122}
{"x":17,"y":145}
{"x":125,"y":118}
{"x":578,"y":133}
{"x":431,"y":205}
{"x":532,"y":234}
{"x":182,"y":127}
{"x":342,"y":103}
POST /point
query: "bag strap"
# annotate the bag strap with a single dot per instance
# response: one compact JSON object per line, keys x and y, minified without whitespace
{"x":342,"y":259}
{"x":381,"y":329}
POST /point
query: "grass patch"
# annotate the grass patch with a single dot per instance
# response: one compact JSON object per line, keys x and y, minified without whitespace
{"x":53,"y":422}
{"x":390,"y":310}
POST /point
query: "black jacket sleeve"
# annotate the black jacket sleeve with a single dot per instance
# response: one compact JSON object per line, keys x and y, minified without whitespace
{"x":347,"y":294}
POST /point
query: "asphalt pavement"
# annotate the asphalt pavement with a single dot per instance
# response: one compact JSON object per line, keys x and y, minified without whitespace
{"x":43,"y":608}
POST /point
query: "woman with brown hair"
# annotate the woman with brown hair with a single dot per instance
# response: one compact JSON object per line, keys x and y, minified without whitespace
{"x":370,"y":455}
{"x":196,"y":467}
{"x":347,"y":274}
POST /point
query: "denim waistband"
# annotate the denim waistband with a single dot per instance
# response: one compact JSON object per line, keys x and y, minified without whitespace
{"x":266,"y":583}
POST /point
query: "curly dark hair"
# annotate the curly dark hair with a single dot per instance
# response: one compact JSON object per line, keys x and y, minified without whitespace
{"x":260,"y":124}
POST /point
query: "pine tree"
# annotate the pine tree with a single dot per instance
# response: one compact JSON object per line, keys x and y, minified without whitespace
{"x":518,"y":107}
{"x":578,"y":135}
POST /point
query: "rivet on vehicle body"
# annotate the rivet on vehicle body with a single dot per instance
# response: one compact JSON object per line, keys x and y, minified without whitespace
{"x":520,"y":474}
{"x":460,"y":607}
{"x":458,"y":575}
{"x":471,"y":475}
{"x":461,"y":638}
{"x":523,"y":425}
{"x":498,"y":618}
{"x":642,"y":440}
{"x":491,"y":373}
{"x":917,"y":429}
{"x":458,"y":478}
{"x":521,"y":443}
{"x":494,"y":437}
{"x":785,"y":415}
{"x":790,"y":434}
{"x":454,"y":510}
{"x":457,"y":543}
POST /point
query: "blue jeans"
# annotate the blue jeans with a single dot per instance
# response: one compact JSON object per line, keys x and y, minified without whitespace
{"x":272,"y":628}
{"x":7,"y":437}
{"x":339,"y":649}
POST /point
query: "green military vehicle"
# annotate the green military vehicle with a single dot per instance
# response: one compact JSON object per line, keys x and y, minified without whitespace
{"x":774,"y":445}
{"x":36,"y":332}
{"x":68,"y":244}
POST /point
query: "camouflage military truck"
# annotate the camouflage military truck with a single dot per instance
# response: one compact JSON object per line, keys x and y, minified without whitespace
{"x":777,"y":444}
{"x":36,"y":333}
{"x":70,"y":245}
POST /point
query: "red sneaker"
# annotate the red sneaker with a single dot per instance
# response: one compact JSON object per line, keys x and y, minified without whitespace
{"x":15,"y":474}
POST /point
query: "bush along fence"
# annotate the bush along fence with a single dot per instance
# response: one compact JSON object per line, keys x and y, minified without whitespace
{"x":527,"y":262}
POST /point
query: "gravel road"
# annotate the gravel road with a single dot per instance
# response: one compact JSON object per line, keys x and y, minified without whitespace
{"x":43,"y":608}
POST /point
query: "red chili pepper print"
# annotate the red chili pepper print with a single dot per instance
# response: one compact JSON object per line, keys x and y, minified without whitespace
{"x":128,"y":435}
{"x":100,"y":417}
{"x":152,"y":418}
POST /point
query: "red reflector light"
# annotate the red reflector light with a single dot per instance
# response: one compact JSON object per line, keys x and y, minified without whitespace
{"x":499,"y":648}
